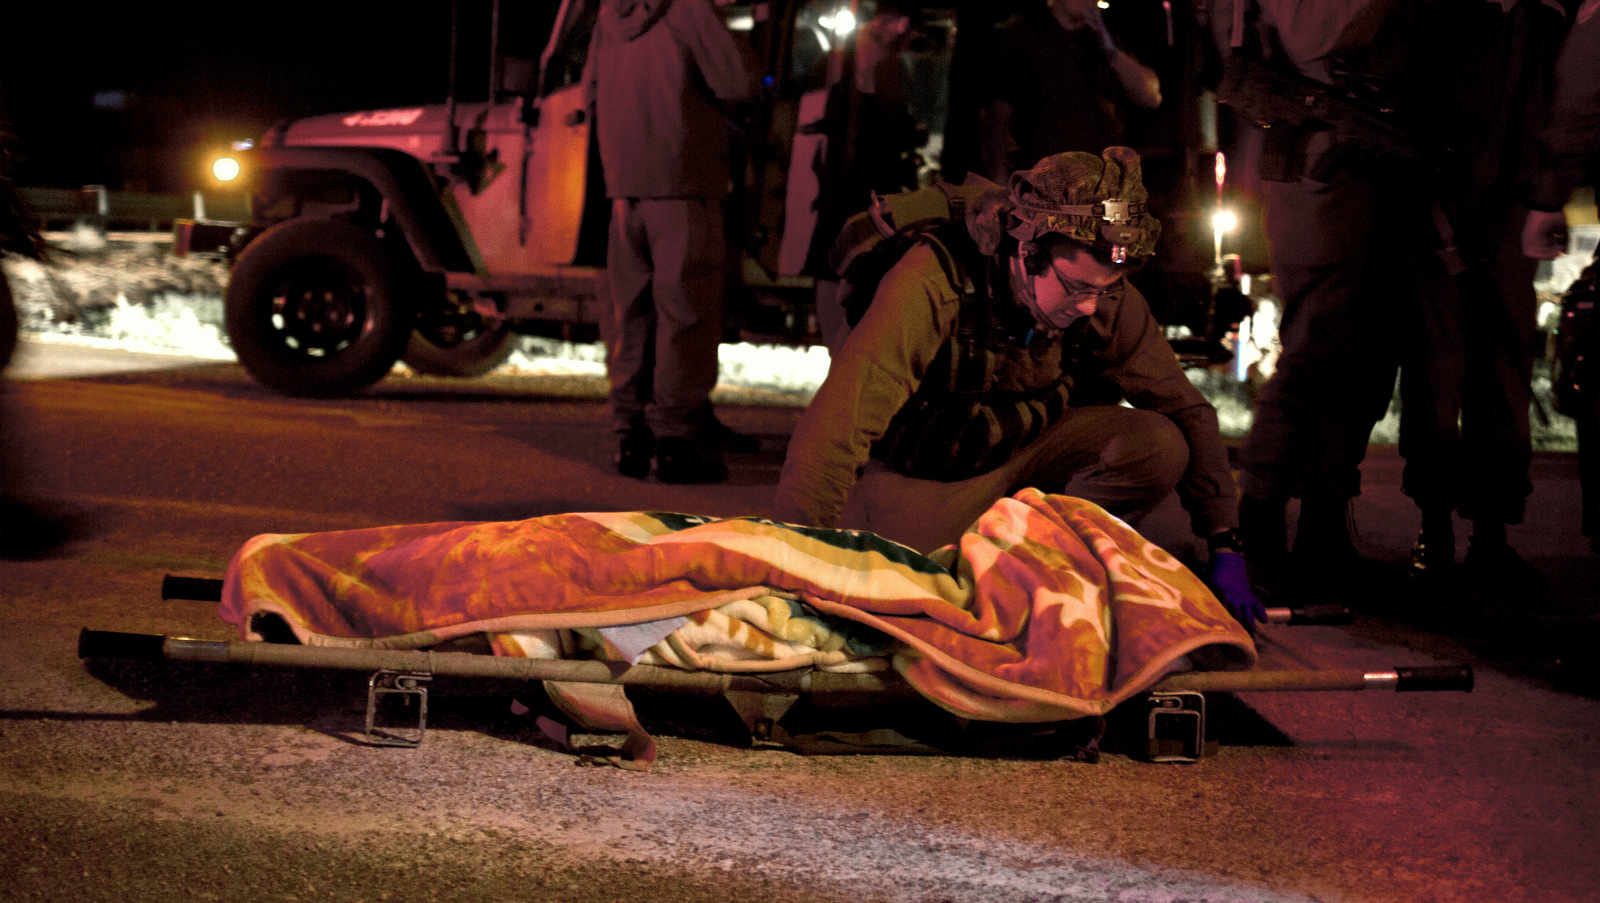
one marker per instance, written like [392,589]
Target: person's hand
[1544,234]
[1232,584]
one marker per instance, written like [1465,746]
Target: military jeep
[438,233]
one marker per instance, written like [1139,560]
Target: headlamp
[1119,222]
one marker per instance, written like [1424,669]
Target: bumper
[210,238]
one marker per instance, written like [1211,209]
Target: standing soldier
[1466,383]
[1568,151]
[1060,83]
[660,73]
[1349,222]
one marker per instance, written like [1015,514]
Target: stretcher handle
[111,644]
[196,589]
[1442,677]
[1326,614]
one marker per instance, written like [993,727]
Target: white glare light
[226,169]
[840,23]
[1223,221]
[1104,4]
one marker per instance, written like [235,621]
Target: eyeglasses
[1076,292]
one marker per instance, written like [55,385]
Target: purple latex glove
[1232,584]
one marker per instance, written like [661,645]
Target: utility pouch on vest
[960,423]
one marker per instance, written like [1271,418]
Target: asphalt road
[133,781]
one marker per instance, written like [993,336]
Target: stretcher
[1172,713]
[1048,611]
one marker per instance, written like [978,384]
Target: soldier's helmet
[1099,201]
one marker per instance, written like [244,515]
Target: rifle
[1292,107]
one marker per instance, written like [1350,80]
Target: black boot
[1492,566]
[635,447]
[1327,565]
[732,441]
[683,460]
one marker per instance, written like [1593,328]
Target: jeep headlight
[228,166]
[226,169]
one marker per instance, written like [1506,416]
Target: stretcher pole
[110,644]
[1176,704]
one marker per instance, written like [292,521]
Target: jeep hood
[417,130]
[362,128]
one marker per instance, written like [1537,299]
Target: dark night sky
[177,81]
[193,76]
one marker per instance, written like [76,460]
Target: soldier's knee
[1153,453]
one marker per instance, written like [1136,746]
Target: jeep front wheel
[313,309]
[458,342]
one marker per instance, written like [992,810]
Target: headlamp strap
[1118,213]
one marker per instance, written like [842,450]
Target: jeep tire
[462,344]
[317,308]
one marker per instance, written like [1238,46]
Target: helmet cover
[1094,200]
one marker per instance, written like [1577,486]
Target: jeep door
[556,167]
[520,184]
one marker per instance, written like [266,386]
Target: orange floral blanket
[1048,608]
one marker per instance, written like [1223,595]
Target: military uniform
[1348,218]
[658,70]
[943,400]
[1568,150]
[1466,385]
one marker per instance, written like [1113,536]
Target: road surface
[131,781]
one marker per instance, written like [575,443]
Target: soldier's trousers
[1466,378]
[1346,260]
[664,269]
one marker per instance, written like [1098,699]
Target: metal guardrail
[100,208]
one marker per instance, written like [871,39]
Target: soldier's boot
[730,440]
[683,460]
[1326,563]
[1493,566]
[635,447]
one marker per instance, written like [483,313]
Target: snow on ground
[129,292]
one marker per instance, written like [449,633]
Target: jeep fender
[404,183]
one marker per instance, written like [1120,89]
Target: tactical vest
[988,394]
